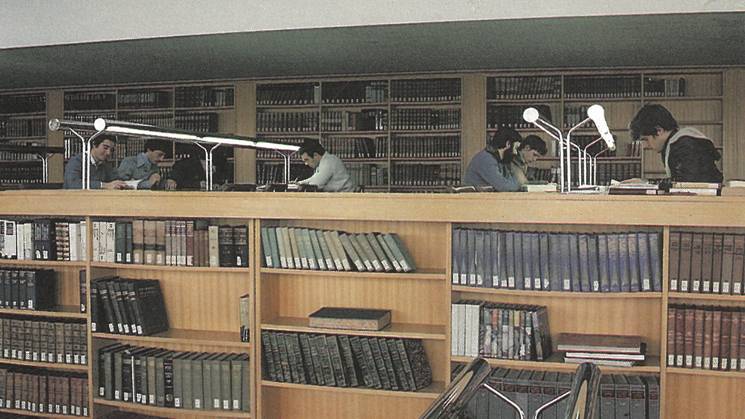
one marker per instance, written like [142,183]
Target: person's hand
[115,184]
[170,184]
[154,178]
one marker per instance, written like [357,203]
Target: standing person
[144,166]
[528,152]
[102,173]
[688,155]
[491,166]
[330,174]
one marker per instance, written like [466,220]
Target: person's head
[653,125]
[531,147]
[311,152]
[156,149]
[501,142]
[102,148]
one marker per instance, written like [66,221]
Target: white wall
[44,22]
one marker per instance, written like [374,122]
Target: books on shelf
[158,377]
[127,306]
[345,361]
[540,187]
[245,317]
[42,239]
[41,392]
[548,261]
[54,342]
[706,337]
[609,350]
[632,396]
[707,262]
[493,330]
[308,248]
[350,318]
[170,242]
[28,289]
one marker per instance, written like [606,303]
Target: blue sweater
[485,169]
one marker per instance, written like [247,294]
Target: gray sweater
[485,169]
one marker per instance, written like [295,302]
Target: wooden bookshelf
[203,308]
[61,312]
[19,412]
[170,411]
[80,368]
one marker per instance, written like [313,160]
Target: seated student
[330,174]
[144,166]
[102,174]
[188,173]
[527,153]
[491,166]
[688,155]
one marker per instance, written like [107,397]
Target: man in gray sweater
[491,166]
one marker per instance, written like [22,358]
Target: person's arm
[519,174]
[321,177]
[73,174]
[491,174]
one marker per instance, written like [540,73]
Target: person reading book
[491,166]
[188,173]
[330,174]
[528,151]
[143,168]
[688,154]
[102,173]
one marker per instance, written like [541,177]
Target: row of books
[82,101]
[160,119]
[202,122]
[35,127]
[425,146]
[144,99]
[622,396]
[706,337]
[274,172]
[602,87]
[288,94]
[495,330]
[263,154]
[418,174]
[654,86]
[356,147]
[362,120]
[42,239]
[426,90]
[368,174]
[574,114]
[127,306]
[28,289]
[707,262]
[511,116]
[170,242]
[24,175]
[579,262]
[344,92]
[166,378]
[44,341]
[24,103]
[345,361]
[530,87]
[403,119]
[204,96]
[45,393]
[309,248]
[287,121]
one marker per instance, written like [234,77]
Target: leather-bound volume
[684,274]
[350,318]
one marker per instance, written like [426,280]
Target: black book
[417,359]
[315,358]
[337,363]
[388,362]
[240,240]
[370,365]
[268,367]
[398,367]
[326,361]
[350,369]
[226,248]
[83,291]
[307,357]
[360,362]
[377,358]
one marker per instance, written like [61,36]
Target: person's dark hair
[98,140]
[535,142]
[157,144]
[501,137]
[311,147]
[649,118]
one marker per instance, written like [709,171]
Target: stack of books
[696,188]
[609,350]
[634,188]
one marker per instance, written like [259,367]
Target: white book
[74,233]
[11,234]
[83,241]
[110,241]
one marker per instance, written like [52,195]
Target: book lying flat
[605,362]
[605,356]
[350,318]
[579,342]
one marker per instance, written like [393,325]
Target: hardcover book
[350,318]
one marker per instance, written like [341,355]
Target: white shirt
[331,175]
